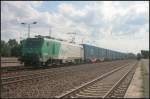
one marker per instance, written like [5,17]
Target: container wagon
[41,51]
[93,53]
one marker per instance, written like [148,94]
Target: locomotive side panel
[70,52]
[50,50]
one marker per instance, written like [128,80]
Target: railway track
[110,85]
[9,69]
[25,77]
[10,83]
[14,79]
[120,88]
[20,67]
[14,69]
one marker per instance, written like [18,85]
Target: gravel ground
[16,73]
[59,80]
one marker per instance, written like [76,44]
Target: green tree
[15,47]
[16,50]
[145,53]
[11,48]
[5,49]
[12,43]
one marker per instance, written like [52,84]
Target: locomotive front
[31,51]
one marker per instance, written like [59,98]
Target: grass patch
[144,81]
[142,77]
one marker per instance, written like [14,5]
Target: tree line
[10,49]
[145,53]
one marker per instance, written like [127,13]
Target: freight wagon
[40,51]
[95,54]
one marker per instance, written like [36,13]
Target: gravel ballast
[60,80]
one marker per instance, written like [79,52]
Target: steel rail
[91,82]
[16,77]
[16,81]
[35,77]
[9,80]
[117,84]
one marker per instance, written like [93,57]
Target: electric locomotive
[42,51]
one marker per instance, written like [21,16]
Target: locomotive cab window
[33,43]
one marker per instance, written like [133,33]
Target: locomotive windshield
[33,42]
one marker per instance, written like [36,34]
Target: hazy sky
[117,25]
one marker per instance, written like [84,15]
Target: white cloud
[66,8]
[127,20]
[36,3]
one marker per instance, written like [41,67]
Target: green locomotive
[41,51]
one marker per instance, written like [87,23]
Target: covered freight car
[93,53]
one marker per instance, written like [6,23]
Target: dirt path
[135,88]
[139,87]
[145,73]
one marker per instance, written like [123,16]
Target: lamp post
[23,23]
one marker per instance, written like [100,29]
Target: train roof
[56,40]
[103,48]
[68,43]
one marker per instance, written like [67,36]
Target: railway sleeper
[96,91]
[94,88]
[89,95]
[102,87]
